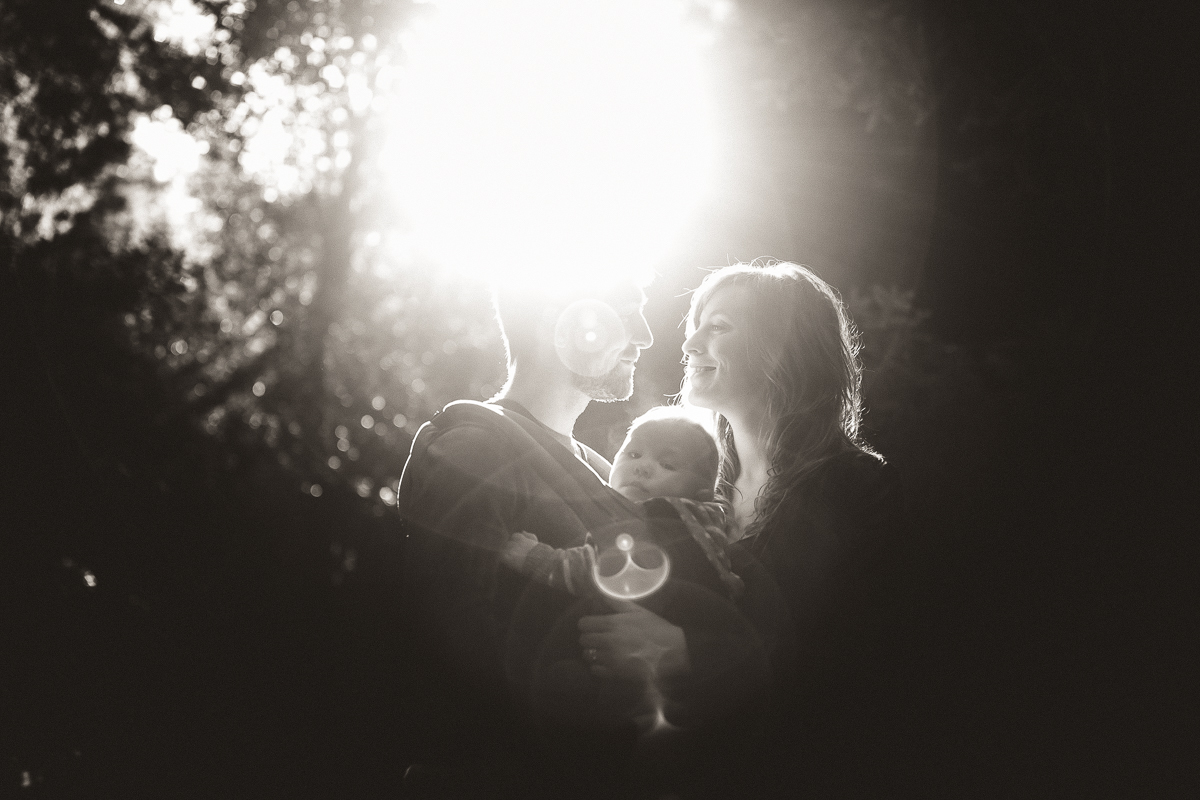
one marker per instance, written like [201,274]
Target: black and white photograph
[599,399]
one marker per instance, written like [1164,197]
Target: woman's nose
[691,345]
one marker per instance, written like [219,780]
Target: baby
[665,455]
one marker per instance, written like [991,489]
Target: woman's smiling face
[724,372]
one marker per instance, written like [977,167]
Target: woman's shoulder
[861,474]
[853,487]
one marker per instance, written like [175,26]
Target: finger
[597,641]
[621,606]
[601,671]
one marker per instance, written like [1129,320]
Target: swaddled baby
[665,455]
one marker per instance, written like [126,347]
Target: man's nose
[640,335]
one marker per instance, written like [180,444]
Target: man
[478,473]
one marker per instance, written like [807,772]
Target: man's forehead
[624,294]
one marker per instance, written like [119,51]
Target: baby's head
[666,454]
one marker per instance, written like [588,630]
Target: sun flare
[536,139]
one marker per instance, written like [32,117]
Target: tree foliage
[244,137]
[210,276]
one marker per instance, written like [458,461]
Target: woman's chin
[694,396]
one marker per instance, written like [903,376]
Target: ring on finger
[591,655]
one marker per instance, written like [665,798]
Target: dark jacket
[823,585]
[504,649]
[476,474]
[492,643]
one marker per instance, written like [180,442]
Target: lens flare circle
[632,570]
[589,338]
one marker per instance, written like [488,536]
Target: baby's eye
[668,466]
[632,454]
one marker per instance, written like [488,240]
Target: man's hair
[805,344]
[520,314]
[684,419]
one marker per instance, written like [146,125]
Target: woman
[771,351]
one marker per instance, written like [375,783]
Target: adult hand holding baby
[633,643]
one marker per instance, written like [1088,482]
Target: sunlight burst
[536,139]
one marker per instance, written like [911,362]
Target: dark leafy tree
[234,344]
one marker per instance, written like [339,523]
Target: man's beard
[610,387]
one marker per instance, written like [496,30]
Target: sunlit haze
[533,139]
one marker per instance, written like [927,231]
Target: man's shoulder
[464,430]
[464,447]
[469,412]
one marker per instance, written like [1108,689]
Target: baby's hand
[709,516]
[516,549]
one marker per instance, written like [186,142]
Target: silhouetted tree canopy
[222,346]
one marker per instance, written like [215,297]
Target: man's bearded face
[614,385]
[607,330]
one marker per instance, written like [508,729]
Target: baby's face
[660,459]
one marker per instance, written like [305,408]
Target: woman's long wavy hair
[807,347]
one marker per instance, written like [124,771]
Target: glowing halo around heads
[533,138]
